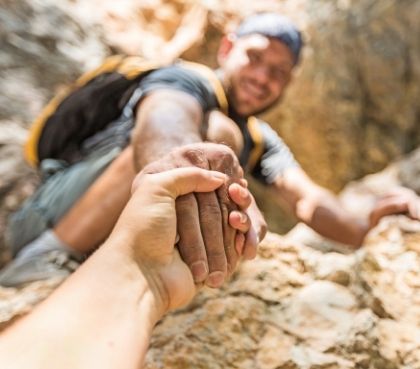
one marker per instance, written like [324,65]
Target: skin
[400,200]
[204,240]
[137,276]
[173,120]
[256,72]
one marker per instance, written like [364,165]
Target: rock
[398,341]
[36,58]
[17,180]
[16,303]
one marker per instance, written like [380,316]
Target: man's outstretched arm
[165,119]
[319,208]
[172,121]
[322,211]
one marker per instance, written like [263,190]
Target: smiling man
[171,109]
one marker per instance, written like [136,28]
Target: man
[169,110]
[135,278]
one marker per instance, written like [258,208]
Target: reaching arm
[318,208]
[172,121]
[165,119]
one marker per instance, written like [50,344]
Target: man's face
[256,70]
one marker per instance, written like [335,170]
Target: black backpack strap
[120,71]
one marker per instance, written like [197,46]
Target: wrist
[151,286]
[158,295]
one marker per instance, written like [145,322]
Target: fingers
[191,244]
[181,181]
[239,242]
[240,195]
[229,233]
[414,209]
[250,246]
[240,221]
[387,206]
[212,233]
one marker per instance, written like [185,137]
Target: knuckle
[196,157]
[225,203]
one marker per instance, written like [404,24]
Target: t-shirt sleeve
[179,78]
[276,157]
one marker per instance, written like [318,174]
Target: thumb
[182,181]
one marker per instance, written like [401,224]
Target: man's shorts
[63,185]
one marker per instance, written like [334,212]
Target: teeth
[253,90]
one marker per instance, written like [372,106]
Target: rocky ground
[293,307]
[300,304]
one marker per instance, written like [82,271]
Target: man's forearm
[318,208]
[329,219]
[165,120]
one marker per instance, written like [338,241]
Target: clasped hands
[195,195]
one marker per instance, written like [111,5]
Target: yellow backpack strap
[211,76]
[257,137]
[131,67]
[30,150]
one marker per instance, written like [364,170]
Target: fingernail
[215,279]
[242,218]
[199,271]
[243,192]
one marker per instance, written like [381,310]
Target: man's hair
[275,26]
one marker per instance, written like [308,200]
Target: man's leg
[80,230]
[91,219]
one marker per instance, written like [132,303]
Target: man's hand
[148,227]
[400,200]
[206,240]
[252,234]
